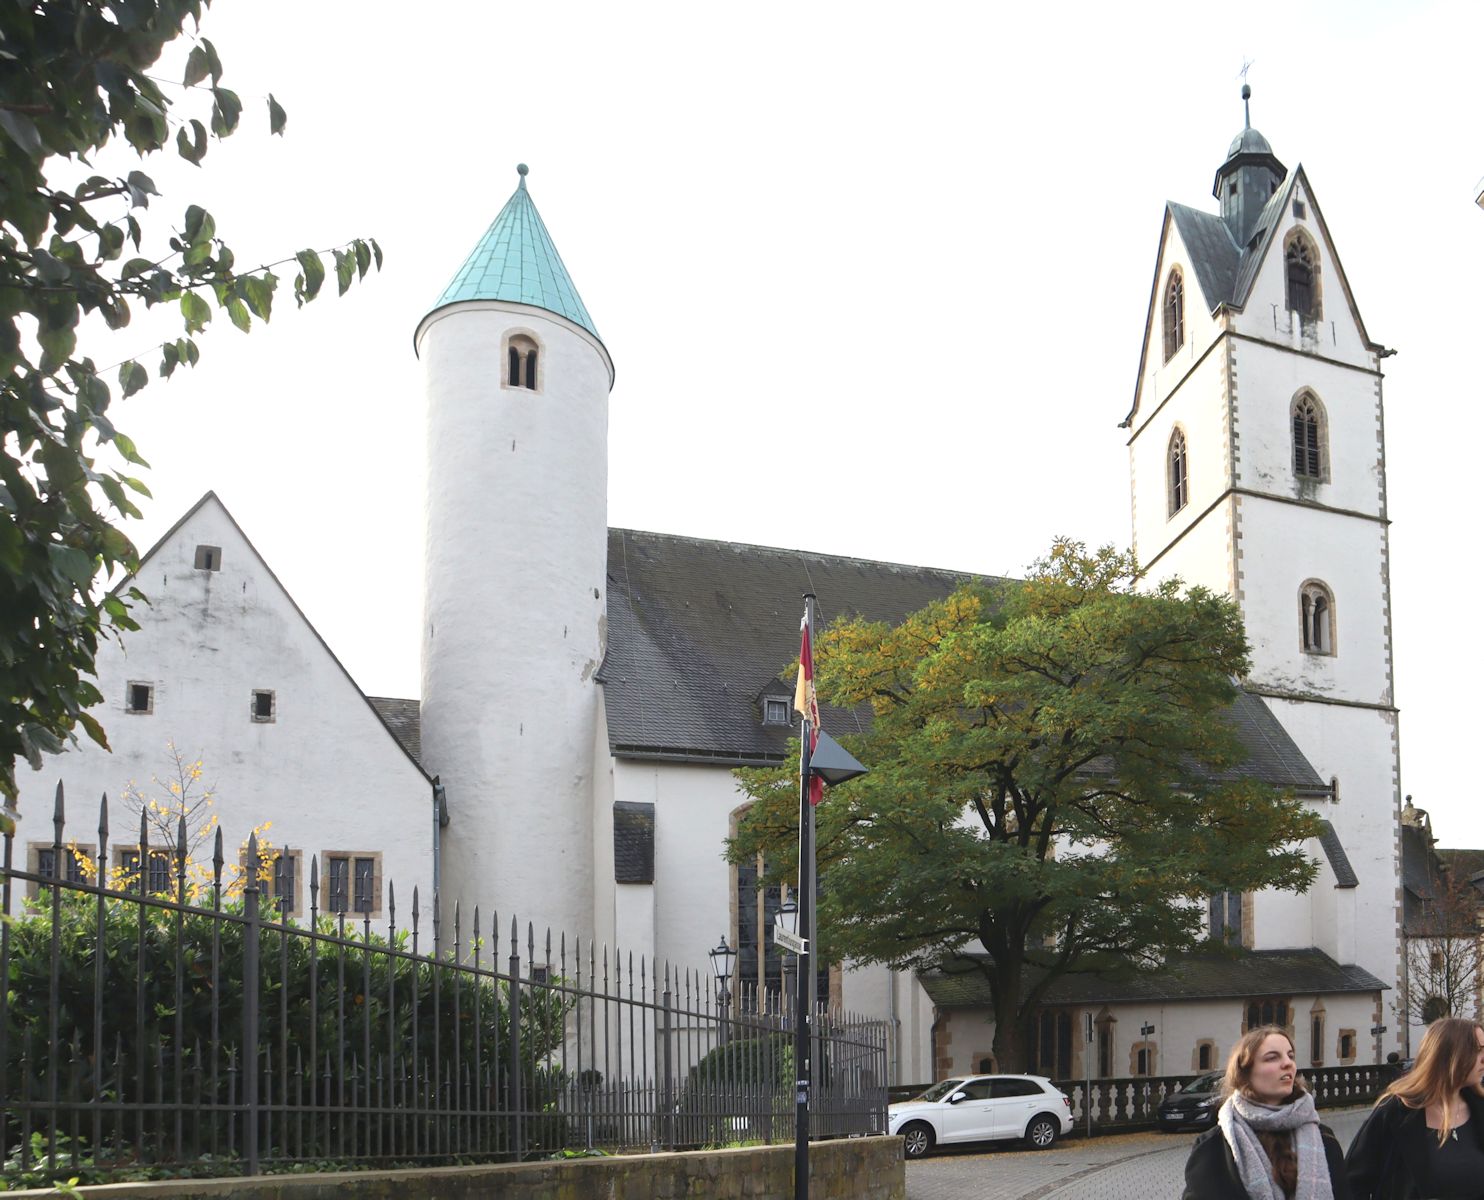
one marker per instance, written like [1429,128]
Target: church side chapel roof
[517,261]
[404,719]
[699,631]
[1198,976]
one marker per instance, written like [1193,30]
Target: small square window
[208,558]
[775,710]
[139,698]
[263,708]
[1298,209]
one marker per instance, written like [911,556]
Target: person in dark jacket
[1424,1140]
[1268,1143]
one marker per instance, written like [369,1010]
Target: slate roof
[1225,270]
[404,719]
[516,260]
[1466,864]
[1339,861]
[699,629]
[1201,976]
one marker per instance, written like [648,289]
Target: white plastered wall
[514,609]
[966,1035]
[325,774]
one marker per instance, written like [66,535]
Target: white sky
[915,244]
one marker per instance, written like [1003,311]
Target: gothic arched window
[1174,311]
[1301,271]
[521,362]
[1317,618]
[1179,472]
[1309,442]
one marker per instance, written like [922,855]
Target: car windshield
[1203,1083]
[939,1090]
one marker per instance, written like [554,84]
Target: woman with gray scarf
[1268,1143]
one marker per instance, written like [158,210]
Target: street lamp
[723,959]
[786,924]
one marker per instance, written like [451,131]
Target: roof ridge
[842,558]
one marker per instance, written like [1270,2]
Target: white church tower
[1257,459]
[513,633]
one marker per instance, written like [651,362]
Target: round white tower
[514,574]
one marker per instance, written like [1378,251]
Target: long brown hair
[1279,1146]
[1445,1060]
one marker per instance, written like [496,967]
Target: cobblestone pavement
[1130,1166]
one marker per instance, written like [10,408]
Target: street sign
[791,942]
[1377,1030]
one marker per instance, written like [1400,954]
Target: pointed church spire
[517,261]
[1248,178]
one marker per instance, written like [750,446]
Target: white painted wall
[1179,1027]
[516,559]
[326,773]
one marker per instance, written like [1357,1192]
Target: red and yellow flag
[806,704]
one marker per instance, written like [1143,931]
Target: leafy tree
[1052,786]
[76,75]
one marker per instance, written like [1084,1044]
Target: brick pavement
[1134,1166]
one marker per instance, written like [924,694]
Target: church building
[587,690]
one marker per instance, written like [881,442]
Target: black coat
[1388,1155]
[1211,1172]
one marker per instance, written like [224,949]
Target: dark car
[1194,1105]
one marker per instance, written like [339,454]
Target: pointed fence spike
[103,816]
[414,906]
[391,903]
[59,812]
[180,838]
[218,856]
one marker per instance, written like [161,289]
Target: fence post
[250,1007]
[667,1080]
[517,1092]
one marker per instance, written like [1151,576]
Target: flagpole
[806,929]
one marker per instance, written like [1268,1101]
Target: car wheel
[917,1139]
[1041,1133]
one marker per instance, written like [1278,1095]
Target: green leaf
[237,310]
[257,290]
[363,258]
[197,67]
[345,269]
[213,63]
[376,253]
[195,310]
[308,284]
[127,448]
[199,225]
[225,111]
[22,131]
[132,377]
[136,266]
[277,118]
[140,188]
[73,564]
[95,730]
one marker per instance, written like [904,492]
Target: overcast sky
[911,245]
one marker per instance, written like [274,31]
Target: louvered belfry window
[1301,263]
[1174,323]
[1179,473]
[1308,455]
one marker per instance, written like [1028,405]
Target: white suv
[980,1108]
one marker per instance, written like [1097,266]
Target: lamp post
[820,757]
[723,959]
[785,935]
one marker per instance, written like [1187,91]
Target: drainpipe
[896,1028]
[440,822]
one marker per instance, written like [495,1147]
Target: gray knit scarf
[1240,1119]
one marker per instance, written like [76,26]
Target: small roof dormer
[516,261]
[1248,178]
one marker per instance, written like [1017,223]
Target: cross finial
[1246,92]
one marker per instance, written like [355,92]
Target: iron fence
[204,1033]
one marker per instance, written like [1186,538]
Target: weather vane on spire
[1246,91]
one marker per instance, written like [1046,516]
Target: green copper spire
[517,261]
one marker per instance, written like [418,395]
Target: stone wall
[850,1169]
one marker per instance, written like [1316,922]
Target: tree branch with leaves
[76,77]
